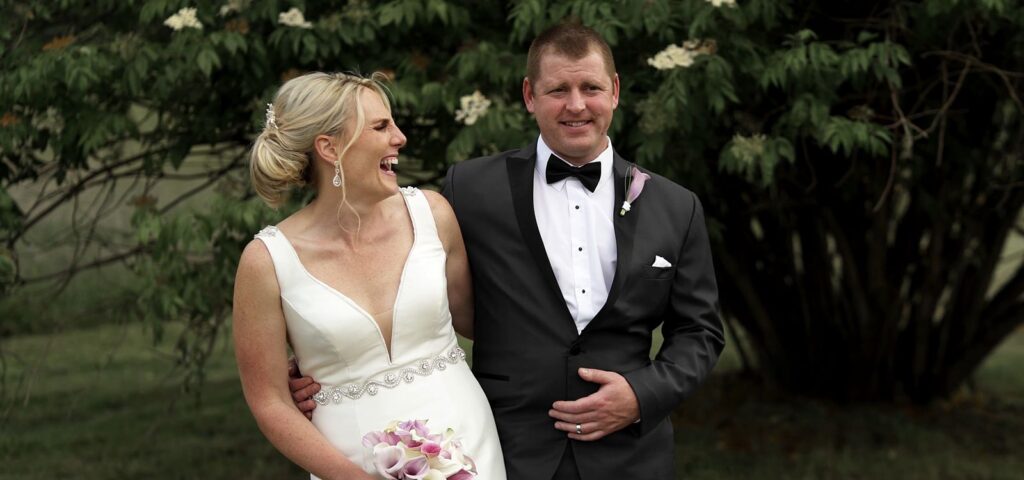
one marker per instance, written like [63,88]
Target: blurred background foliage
[860,162]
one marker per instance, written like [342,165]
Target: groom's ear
[528,94]
[615,91]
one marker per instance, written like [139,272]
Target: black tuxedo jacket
[527,351]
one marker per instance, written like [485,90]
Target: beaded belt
[391,378]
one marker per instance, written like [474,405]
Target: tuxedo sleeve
[448,190]
[691,326]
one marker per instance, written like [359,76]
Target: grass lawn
[102,403]
[732,428]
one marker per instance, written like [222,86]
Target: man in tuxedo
[568,291]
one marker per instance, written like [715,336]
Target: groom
[568,291]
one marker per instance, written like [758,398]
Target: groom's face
[573,102]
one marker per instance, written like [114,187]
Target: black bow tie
[589,175]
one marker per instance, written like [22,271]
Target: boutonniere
[635,180]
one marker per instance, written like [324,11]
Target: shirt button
[581,249]
[577,207]
[584,291]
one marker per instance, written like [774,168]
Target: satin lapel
[625,232]
[521,167]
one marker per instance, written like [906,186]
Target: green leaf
[207,60]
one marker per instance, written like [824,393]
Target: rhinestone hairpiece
[271,118]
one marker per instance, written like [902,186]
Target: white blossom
[50,120]
[185,18]
[677,56]
[293,18]
[472,108]
[748,149]
[719,3]
[233,6]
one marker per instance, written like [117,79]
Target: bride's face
[368,162]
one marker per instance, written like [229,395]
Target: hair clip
[271,118]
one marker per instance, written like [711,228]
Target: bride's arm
[460,287]
[260,348]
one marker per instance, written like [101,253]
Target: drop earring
[337,174]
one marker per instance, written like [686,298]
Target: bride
[365,284]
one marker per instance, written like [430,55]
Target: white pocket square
[660,262]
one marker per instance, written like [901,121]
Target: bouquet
[407,450]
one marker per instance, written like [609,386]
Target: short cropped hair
[572,40]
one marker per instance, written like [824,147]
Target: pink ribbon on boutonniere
[635,180]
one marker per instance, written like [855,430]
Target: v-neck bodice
[364,390]
[338,342]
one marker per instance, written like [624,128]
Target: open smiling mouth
[574,124]
[389,164]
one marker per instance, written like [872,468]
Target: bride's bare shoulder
[255,260]
[444,218]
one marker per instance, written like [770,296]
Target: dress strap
[419,210]
[286,260]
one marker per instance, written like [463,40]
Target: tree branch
[89,266]
[73,190]
[1008,294]
[997,329]
[203,186]
[103,175]
[1005,75]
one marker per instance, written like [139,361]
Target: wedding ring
[579,429]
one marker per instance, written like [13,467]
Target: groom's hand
[302,389]
[610,409]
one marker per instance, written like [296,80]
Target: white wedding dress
[363,388]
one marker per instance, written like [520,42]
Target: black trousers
[567,468]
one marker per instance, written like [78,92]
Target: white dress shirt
[579,237]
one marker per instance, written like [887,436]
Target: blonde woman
[365,283]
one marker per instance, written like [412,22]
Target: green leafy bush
[860,161]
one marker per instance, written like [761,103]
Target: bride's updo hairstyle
[305,107]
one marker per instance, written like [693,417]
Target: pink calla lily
[462,475]
[416,468]
[407,450]
[390,461]
[636,186]
[430,449]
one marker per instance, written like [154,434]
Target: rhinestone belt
[390,379]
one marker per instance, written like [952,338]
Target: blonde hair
[306,106]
